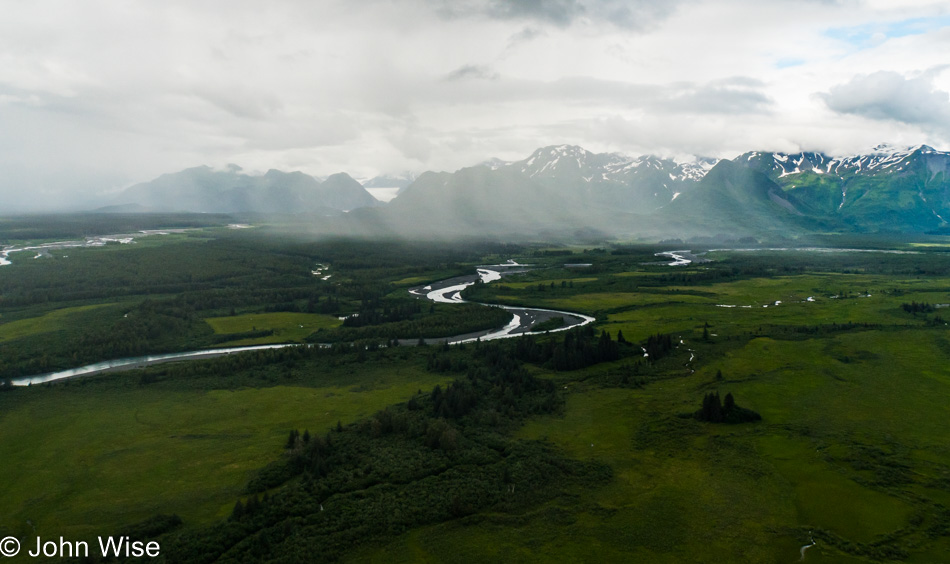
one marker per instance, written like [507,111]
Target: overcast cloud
[97,95]
[887,95]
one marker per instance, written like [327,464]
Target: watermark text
[116,547]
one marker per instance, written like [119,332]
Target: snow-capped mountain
[882,158]
[891,188]
[888,188]
[632,184]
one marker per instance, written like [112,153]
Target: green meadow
[94,455]
[851,451]
[856,456]
[286,326]
[44,323]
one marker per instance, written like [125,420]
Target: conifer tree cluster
[914,307]
[579,348]
[715,410]
[659,345]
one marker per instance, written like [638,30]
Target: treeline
[79,225]
[431,322]
[376,314]
[922,307]
[153,326]
[577,348]
[168,289]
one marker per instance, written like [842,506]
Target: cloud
[629,14]
[732,96]
[557,12]
[472,71]
[736,95]
[526,35]
[887,95]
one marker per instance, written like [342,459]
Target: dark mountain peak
[342,177]
[341,191]
[204,189]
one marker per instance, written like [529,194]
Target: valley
[820,342]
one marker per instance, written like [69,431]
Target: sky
[98,95]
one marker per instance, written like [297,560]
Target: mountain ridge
[565,188]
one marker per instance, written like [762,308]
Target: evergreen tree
[292,439]
[238,511]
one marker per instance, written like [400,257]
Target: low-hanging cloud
[472,71]
[628,14]
[887,95]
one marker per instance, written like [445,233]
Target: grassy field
[93,457]
[851,449]
[46,323]
[410,281]
[287,326]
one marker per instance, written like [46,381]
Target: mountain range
[565,189]
[206,190]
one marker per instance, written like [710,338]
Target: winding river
[523,318]
[446,291]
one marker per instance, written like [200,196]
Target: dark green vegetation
[59,226]
[573,446]
[414,318]
[715,410]
[88,304]
[550,324]
[443,455]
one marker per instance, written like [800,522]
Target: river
[445,291]
[98,241]
[523,318]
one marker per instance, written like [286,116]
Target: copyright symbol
[9,547]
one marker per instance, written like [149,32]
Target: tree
[718,375]
[238,511]
[716,411]
[292,439]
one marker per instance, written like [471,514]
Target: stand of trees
[914,307]
[715,410]
[578,348]
[440,456]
